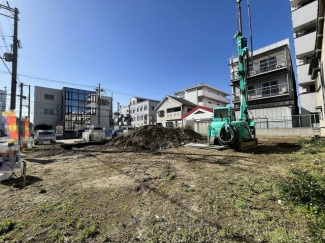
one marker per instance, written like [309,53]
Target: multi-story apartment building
[271,82]
[141,112]
[3,103]
[73,108]
[304,21]
[204,95]
[317,66]
[3,99]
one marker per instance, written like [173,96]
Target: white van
[44,137]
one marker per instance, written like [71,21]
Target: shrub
[7,226]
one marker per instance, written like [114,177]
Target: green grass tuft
[7,226]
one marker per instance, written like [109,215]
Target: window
[145,117]
[133,111]
[161,113]
[251,68]
[270,88]
[46,111]
[145,108]
[267,64]
[138,109]
[312,88]
[49,97]
[138,118]
[251,90]
[51,111]
[133,102]
[152,108]
[141,108]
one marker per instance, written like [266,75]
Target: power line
[63,82]
[3,37]
[7,18]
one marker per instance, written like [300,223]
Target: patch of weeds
[302,188]
[42,190]
[88,232]
[7,226]
[267,217]
[47,208]
[141,201]
[226,232]
[200,235]
[280,235]
[313,146]
[306,191]
[168,174]
[56,236]
[211,202]
[268,196]
[243,203]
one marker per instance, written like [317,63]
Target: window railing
[269,91]
[260,66]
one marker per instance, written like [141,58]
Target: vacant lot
[93,194]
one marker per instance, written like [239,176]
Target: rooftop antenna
[250,26]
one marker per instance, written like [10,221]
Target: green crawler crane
[225,128]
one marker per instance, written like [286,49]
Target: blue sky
[148,48]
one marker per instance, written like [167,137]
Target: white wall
[269,112]
[191,95]
[3,100]
[40,104]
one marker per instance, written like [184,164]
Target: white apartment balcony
[263,93]
[305,45]
[304,16]
[174,115]
[213,96]
[308,102]
[303,77]
[258,68]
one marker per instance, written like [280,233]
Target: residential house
[141,112]
[171,110]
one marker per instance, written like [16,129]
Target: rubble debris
[156,138]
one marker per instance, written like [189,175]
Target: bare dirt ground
[100,194]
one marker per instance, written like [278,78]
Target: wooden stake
[24,171]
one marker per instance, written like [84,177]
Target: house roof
[197,108]
[143,99]
[180,100]
[202,85]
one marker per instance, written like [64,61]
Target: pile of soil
[155,138]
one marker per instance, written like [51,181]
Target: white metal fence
[309,120]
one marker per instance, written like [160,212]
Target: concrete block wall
[287,132]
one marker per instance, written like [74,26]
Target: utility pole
[29,106]
[20,112]
[14,62]
[111,113]
[99,104]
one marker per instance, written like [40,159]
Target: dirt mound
[155,138]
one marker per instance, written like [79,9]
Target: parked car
[44,137]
